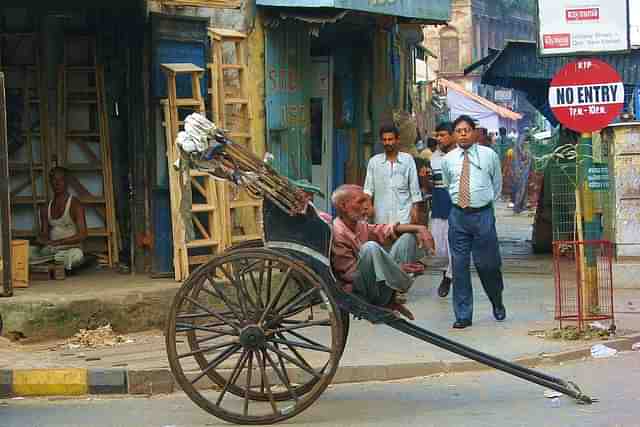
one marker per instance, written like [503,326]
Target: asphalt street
[473,399]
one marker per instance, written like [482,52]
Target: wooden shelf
[79,134]
[239,135]
[227,34]
[21,166]
[246,237]
[91,200]
[82,101]
[202,243]
[23,233]
[188,102]
[202,208]
[97,232]
[238,204]
[80,68]
[27,200]
[234,101]
[182,68]
[83,167]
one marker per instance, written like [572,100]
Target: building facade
[320,79]
[476,27]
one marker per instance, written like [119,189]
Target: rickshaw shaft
[527,374]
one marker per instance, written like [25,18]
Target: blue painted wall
[288,57]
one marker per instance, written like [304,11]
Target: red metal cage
[583,281]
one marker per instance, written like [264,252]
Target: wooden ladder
[231,110]
[28,159]
[195,200]
[83,145]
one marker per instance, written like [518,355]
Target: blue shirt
[440,198]
[394,187]
[485,174]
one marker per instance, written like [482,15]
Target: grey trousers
[379,273]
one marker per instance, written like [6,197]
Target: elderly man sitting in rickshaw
[63,226]
[359,259]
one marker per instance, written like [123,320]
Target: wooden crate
[20,263]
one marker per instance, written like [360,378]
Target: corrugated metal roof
[518,66]
[428,10]
[520,60]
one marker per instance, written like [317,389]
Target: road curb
[80,381]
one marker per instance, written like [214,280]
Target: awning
[501,111]
[484,112]
[431,11]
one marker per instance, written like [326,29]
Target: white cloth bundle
[195,137]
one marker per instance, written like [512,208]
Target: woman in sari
[521,169]
[507,176]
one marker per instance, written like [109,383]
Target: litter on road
[600,351]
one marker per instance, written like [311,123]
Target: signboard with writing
[598,177]
[586,95]
[503,95]
[575,26]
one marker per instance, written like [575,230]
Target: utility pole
[5,214]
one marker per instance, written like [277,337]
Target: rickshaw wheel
[262,336]
[259,243]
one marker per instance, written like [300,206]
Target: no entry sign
[586,95]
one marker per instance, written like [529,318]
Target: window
[449,51]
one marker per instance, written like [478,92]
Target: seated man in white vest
[63,226]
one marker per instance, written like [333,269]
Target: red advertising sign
[583,14]
[586,95]
[556,41]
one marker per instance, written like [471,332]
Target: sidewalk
[372,353]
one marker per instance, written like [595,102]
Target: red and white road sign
[586,95]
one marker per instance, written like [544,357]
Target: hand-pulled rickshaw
[255,335]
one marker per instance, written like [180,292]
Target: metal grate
[583,281]
[563,199]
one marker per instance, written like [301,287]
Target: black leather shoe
[500,313]
[461,324]
[443,289]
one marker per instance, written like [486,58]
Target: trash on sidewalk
[91,338]
[552,394]
[600,351]
[598,325]
[636,346]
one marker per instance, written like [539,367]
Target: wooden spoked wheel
[254,336]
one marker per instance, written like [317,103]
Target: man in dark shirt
[441,202]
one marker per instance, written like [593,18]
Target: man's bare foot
[402,309]
[400,297]
[412,267]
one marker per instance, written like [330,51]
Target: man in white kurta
[392,182]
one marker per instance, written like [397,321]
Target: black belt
[472,210]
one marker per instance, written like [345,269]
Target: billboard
[582,26]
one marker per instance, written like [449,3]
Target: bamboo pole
[588,229]
[5,214]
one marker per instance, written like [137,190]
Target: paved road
[472,399]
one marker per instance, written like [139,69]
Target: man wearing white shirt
[472,174]
[392,182]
